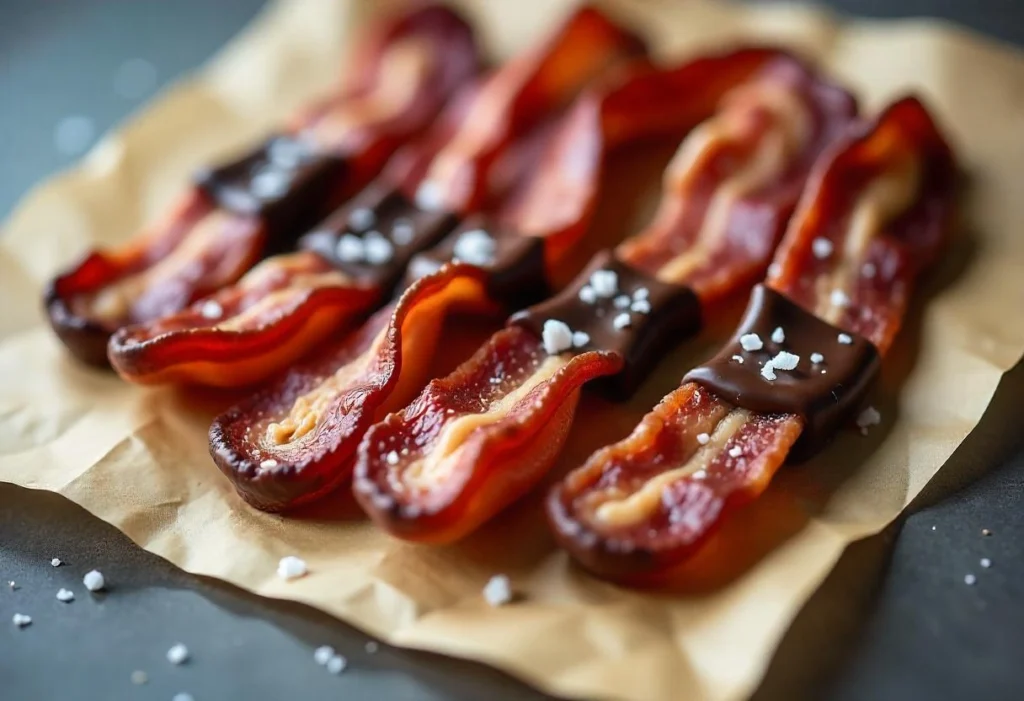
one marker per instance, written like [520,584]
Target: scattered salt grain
[337,664]
[350,248]
[361,219]
[211,310]
[700,474]
[392,458]
[735,451]
[65,595]
[94,581]
[868,418]
[587,294]
[738,359]
[21,620]
[323,654]
[402,231]
[621,321]
[269,184]
[428,196]
[55,562]
[817,358]
[268,464]
[641,293]
[768,372]
[778,335]
[845,338]
[751,342]
[986,563]
[703,438]
[476,247]
[821,247]
[785,360]
[557,336]
[622,302]
[970,579]
[291,567]
[178,654]
[641,306]
[580,339]
[604,282]
[839,298]
[422,266]
[498,590]
[377,249]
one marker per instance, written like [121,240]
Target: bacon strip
[638,509]
[728,195]
[404,72]
[501,118]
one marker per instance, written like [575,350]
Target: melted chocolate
[823,394]
[284,181]
[379,212]
[674,314]
[515,268]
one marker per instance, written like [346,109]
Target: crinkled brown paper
[138,458]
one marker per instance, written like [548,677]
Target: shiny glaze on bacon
[295,440]
[523,93]
[739,239]
[638,509]
[404,72]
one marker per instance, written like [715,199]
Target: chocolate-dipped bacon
[404,71]
[357,255]
[473,442]
[874,215]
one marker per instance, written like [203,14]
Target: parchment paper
[138,458]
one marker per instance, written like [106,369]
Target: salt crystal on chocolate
[350,248]
[641,306]
[817,358]
[622,302]
[751,342]
[361,219]
[557,336]
[604,282]
[622,321]
[845,338]
[587,294]
[377,249]
[785,360]
[475,247]
[641,293]
[768,372]
[580,339]
[778,335]
[402,231]
[738,359]
[429,196]
[821,247]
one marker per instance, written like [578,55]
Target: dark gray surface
[894,621]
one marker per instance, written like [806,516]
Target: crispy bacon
[883,197]
[404,72]
[728,195]
[500,119]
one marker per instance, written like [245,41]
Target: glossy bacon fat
[404,72]
[728,194]
[874,214]
[370,241]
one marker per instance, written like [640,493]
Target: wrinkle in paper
[138,458]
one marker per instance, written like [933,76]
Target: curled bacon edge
[686,509]
[230,244]
[480,471]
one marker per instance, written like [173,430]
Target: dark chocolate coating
[823,401]
[284,181]
[392,211]
[515,274]
[674,315]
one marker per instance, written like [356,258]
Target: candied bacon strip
[187,347]
[405,70]
[728,195]
[882,200]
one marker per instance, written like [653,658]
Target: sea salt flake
[703,438]
[429,196]
[476,247]
[55,562]
[778,335]
[178,654]
[817,358]
[621,321]
[402,231]
[21,620]
[641,306]
[323,654]
[970,579]
[65,595]
[587,294]
[821,247]
[785,360]
[336,665]
[269,184]
[604,282]
[845,338]
[986,563]
[422,266]
[751,342]
[738,359]
[641,293]
[622,302]
[94,581]
[498,590]
[350,248]
[839,298]
[557,336]
[580,339]
[377,249]
[291,567]
[361,219]
[768,372]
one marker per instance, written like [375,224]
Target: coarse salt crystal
[211,310]
[839,298]
[738,359]
[768,372]
[817,358]
[785,360]
[94,581]
[580,339]
[475,247]
[641,306]
[392,458]
[377,249]
[735,451]
[65,595]
[428,196]
[337,664]
[323,654]
[868,418]
[778,335]
[845,338]
[557,336]
[361,219]
[587,294]
[621,321]
[269,184]
[291,567]
[970,579]
[178,654]
[703,438]
[622,302]
[986,563]
[402,231]
[641,293]
[422,266]
[821,247]
[604,282]
[55,562]
[350,248]
[21,620]
[498,590]
[751,342]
